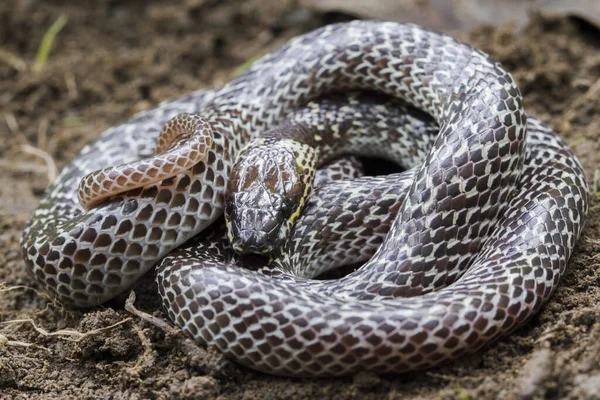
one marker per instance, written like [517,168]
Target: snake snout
[250,242]
[255,221]
[255,231]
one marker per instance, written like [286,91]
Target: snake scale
[482,232]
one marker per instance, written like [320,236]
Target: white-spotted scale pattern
[281,321]
[469,193]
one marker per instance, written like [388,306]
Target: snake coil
[483,233]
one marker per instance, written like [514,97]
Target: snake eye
[286,210]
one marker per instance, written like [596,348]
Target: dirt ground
[113,59]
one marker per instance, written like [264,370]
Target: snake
[482,230]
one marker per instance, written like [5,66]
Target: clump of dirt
[113,59]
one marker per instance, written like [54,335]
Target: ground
[113,59]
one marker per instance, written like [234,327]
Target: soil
[113,59]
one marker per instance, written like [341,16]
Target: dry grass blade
[21,166]
[51,301]
[3,288]
[13,126]
[148,358]
[51,170]
[4,342]
[188,346]
[13,60]
[66,334]
[147,317]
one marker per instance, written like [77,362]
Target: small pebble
[537,370]
[589,388]
[366,380]
[200,387]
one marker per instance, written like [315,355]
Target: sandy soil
[113,59]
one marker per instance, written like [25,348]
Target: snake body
[482,234]
[273,173]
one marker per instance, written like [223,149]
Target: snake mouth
[255,230]
[251,242]
[256,221]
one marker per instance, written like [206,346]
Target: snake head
[266,190]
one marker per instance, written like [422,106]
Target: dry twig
[51,170]
[66,334]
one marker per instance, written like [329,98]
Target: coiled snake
[484,227]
